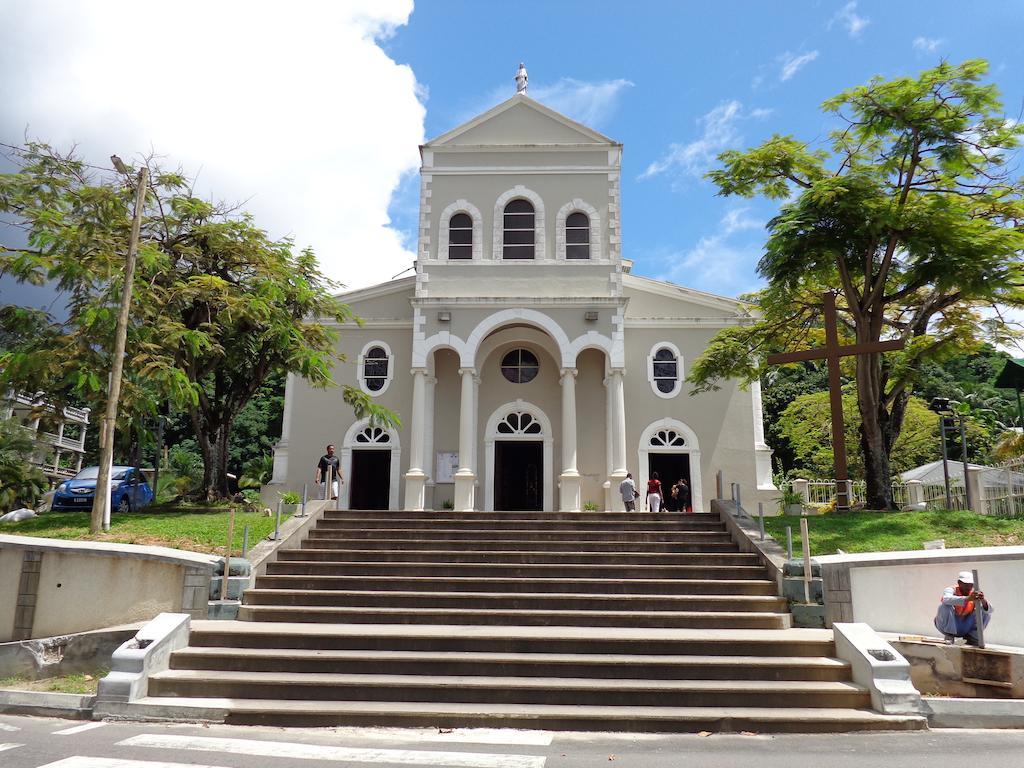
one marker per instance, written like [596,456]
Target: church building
[530,369]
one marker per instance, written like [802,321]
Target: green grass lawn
[191,529]
[81,683]
[895,531]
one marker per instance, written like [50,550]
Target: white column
[618,429]
[416,478]
[464,477]
[569,494]
[280,474]
[428,436]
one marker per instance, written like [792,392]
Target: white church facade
[530,369]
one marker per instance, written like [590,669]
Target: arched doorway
[518,447]
[670,448]
[370,463]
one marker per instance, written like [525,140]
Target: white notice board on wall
[447,466]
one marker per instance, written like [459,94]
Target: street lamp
[941,406]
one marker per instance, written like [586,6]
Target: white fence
[1002,489]
[912,494]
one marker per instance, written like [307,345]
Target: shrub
[21,483]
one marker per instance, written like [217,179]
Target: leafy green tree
[21,483]
[218,305]
[909,211]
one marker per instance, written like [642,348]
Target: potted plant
[791,502]
[290,502]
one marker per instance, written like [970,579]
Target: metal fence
[823,491]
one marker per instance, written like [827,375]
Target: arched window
[519,223]
[521,423]
[577,236]
[376,365]
[373,436]
[663,370]
[460,236]
[667,438]
[520,366]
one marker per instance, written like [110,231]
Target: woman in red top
[654,494]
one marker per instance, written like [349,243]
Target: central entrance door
[371,479]
[518,475]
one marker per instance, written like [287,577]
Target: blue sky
[696,77]
[312,112]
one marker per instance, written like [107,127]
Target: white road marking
[339,754]
[9,745]
[79,761]
[500,736]
[79,728]
[11,728]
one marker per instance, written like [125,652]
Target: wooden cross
[832,352]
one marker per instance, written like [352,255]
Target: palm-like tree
[20,482]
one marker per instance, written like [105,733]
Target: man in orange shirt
[958,615]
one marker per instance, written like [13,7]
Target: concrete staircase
[596,621]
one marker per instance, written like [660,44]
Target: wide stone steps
[477,689]
[611,548]
[506,617]
[531,585]
[517,570]
[573,717]
[513,600]
[342,554]
[594,621]
[577,665]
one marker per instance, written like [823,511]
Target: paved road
[28,742]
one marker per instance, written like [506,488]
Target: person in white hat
[957,616]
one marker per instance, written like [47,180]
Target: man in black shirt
[329,461]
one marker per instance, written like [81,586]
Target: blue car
[128,490]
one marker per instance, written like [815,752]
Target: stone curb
[975,713]
[72,706]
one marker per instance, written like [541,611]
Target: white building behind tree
[530,369]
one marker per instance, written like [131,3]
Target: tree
[911,214]
[219,305]
[20,481]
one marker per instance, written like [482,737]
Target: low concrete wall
[746,532]
[956,670]
[62,655]
[51,587]
[900,591]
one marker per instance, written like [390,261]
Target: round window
[520,366]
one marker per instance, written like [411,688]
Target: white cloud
[293,108]
[791,64]
[847,17]
[719,263]
[927,44]
[719,131]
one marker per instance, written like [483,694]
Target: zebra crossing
[479,748]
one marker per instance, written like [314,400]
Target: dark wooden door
[518,475]
[371,480]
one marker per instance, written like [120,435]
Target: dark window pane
[460,251]
[526,357]
[518,236]
[460,221]
[518,252]
[527,373]
[518,221]
[513,419]
[577,235]
[512,358]
[519,206]
[666,385]
[665,371]
[533,429]
[677,440]
[577,251]
[664,354]
[376,352]
[461,237]
[577,220]
[374,384]
[504,428]
[512,374]
[362,438]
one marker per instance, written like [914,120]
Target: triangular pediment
[520,121]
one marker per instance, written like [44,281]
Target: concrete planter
[794,509]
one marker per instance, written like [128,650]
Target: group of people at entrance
[676,500]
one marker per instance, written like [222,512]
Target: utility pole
[101,499]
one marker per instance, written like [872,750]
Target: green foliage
[591,506]
[187,466]
[218,308]
[21,484]
[257,472]
[290,497]
[911,212]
